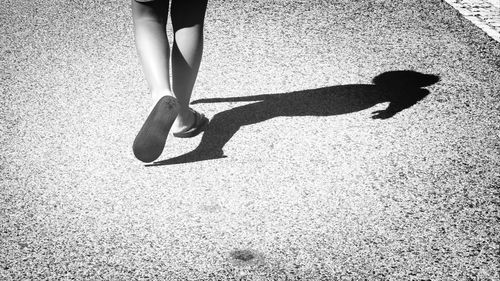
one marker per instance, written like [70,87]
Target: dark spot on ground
[243,255]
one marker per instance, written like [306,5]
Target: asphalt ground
[294,179]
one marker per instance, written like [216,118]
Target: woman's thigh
[156,10]
[188,13]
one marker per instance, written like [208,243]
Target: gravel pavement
[348,140]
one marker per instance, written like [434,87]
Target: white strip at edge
[476,20]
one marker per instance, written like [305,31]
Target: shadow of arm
[399,102]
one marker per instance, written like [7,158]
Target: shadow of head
[402,88]
[404,79]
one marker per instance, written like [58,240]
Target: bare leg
[152,45]
[150,21]
[187,19]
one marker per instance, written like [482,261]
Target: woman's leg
[150,19]
[187,20]
[152,45]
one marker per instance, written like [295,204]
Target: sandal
[199,125]
[150,141]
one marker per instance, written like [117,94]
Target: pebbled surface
[310,188]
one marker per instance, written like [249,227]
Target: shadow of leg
[220,130]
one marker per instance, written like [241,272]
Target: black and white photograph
[213,140]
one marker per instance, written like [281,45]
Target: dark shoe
[199,125]
[150,141]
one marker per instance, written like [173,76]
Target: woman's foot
[188,129]
[185,119]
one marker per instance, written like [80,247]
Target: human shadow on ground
[401,89]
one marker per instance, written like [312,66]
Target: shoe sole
[150,141]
